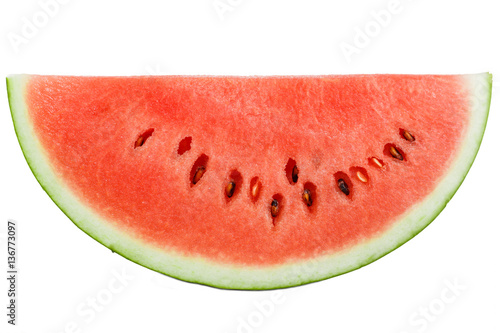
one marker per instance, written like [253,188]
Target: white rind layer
[200,270]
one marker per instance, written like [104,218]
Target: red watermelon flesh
[164,169]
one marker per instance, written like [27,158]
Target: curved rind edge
[200,270]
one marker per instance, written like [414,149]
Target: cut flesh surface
[251,182]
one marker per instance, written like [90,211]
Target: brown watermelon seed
[307,197]
[233,184]
[406,135]
[139,141]
[378,163]
[143,137]
[200,171]
[230,189]
[295,174]
[275,208]
[343,186]
[395,153]
[361,176]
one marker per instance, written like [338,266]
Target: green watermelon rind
[201,270]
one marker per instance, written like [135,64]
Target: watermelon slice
[251,182]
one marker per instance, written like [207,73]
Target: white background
[62,269]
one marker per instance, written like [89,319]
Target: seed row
[291,170]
